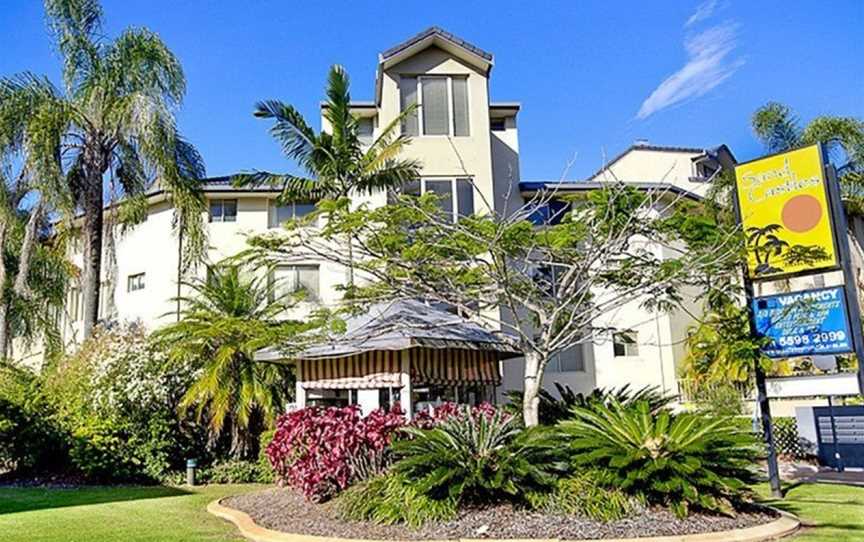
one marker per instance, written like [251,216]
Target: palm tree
[225,321]
[112,122]
[338,165]
[780,130]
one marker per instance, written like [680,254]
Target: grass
[830,512]
[131,514]
[149,514]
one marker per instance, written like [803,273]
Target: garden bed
[287,511]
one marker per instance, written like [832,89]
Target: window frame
[556,366]
[273,216]
[135,282]
[631,348]
[454,189]
[451,113]
[211,217]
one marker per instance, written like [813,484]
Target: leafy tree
[223,323]
[544,287]
[112,122]
[336,162]
[777,126]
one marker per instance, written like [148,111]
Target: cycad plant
[682,461]
[113,122]
[475,457]
[335,162]
[227,318]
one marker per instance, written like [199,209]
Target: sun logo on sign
[801,213]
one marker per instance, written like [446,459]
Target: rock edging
[781,527]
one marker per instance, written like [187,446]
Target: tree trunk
[4,301]
[534,365]
[22,283]
[93,203]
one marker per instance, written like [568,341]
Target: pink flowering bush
[323,451]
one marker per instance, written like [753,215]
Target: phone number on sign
[815,338]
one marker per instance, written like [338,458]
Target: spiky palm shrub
[682,461]
[392,498]
[477,458]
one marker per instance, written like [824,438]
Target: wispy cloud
[709,63]
[703,11]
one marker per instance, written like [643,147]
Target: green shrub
[392,498]
[235,472]
[29,440]
[477,457]
[683,461]
[555,409]
[582,495]
[266,474]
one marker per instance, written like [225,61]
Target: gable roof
[435,31]
[710,151]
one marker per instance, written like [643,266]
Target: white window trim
[222,217]
[450,106]
[635,335]
[312,297]
[272,216]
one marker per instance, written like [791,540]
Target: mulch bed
[287,511]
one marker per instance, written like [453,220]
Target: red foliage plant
[316,450]
[428,419]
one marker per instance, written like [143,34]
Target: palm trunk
[4,300]
[534,365]
[93,232]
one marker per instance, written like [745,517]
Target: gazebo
[403,352]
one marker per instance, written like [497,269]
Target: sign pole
[849,282]
[762,400]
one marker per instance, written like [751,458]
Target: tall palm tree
[112,122]
[223,323]
[336,163]
[779,129]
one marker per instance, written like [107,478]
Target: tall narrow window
[460,106]
[444,191]
[408,97]
[435,109]
[365,130]
[465,197]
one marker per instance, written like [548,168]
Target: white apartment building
[469,149]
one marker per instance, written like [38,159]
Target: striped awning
[369,370]
[454,367]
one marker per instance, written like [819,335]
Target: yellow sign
[783,201]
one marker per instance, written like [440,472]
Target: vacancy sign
[784,209]
[804,323]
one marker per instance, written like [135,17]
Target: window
[288,279]
[279,214]
[135,282]
[365,130]
[705,170]
[453,194]
[443,105]
[223,210]
[624,344]
[498,124]
[75,306]
[568,361]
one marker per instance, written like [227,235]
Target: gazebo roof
[404,324]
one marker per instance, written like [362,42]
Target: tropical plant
[337,163]
[475,458]
[683,461]
[392,498]
[779,129]
[582,495]
[225,320]
[113,122]
[555,409]
[323,451]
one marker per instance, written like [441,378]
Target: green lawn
[830,512]
[136,514]
[130,514]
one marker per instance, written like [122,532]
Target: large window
[288,279]
[453,194]
[279,214]
[223,210]
[625,344]
[568,361]
[443,105]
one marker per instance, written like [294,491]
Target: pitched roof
[582,186]
[443,34]
[660,148]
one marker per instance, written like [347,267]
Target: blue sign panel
[805,323]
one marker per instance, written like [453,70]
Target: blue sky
[592,76]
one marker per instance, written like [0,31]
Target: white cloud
[708,65]
[703,11]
